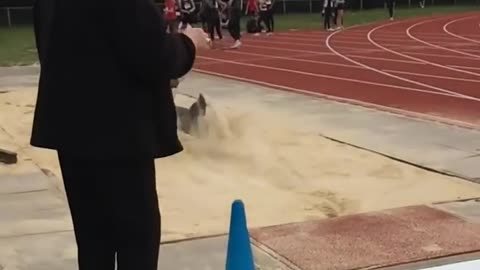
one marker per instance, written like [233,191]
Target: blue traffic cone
[239,252]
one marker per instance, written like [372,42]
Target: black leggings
[187,18]
[114,208]
[234,23]
[390,6]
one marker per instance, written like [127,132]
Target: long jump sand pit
[282,170]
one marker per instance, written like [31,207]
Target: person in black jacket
[105,105]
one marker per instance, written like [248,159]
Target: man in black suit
[105,105]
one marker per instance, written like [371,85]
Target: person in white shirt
[327,14]
[266,14]
[187,10]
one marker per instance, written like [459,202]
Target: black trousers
[262,18]
[115,213]
[327,17]
[390,6]
[204,20]
[187,18]
[234,23]
[270,19]
[214,24]
[267,18]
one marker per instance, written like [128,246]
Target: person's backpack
[252,26]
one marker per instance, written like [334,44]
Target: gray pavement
[35,229]
[18,76]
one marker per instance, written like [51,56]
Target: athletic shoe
[236,45]
[391,18]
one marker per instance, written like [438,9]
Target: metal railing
[15,16]
[10,16]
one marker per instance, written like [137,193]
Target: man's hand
[198,37]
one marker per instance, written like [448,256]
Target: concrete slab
[468,166]
[57,251]
[469,209]
[468,265]
[31,70]
[372,240]
[49,251]
[207,254]
[23,183]
[19,76]
[32,213]
[436,262]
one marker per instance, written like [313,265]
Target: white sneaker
[256,34]
[269,33]
[236,45]
[391,18]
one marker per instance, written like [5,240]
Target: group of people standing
[333,11]
[391,7]
[214,12]
[180,13]
[263,13]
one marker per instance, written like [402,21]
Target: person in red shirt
[251,8]
[171,15]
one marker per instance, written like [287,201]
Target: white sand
[282,172]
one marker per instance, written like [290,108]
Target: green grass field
[17,46]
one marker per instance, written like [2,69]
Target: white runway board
[468,265]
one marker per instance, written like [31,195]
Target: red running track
[421,67]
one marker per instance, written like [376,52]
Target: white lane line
[392,75]
[369,36]
[318,75]
[409,34]
[445,29]
[422,116]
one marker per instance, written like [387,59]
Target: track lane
[312,69]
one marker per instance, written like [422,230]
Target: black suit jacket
[104,88]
